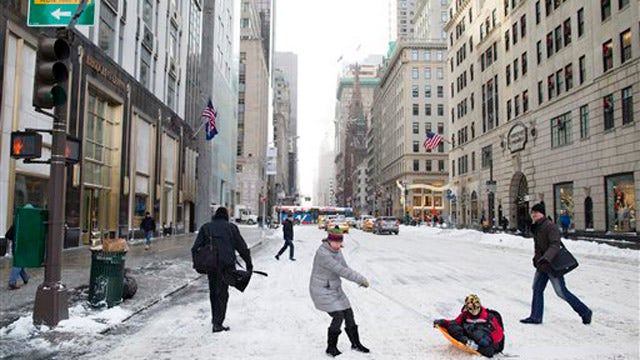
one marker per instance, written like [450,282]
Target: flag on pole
[210,113]
[432,141]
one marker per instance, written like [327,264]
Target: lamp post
[406,193]
[491,187]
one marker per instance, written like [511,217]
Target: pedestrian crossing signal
[26,145]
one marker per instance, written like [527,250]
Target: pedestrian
[287,231]
[15,270]
[148,225]
[326,291]
[228,240]
[565,221]
[547,244]
[505,223]
[476,327]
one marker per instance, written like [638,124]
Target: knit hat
[472,302]
[538,208]
[334,236]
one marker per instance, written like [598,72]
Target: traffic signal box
[51,73]
[26,145]
[31,234]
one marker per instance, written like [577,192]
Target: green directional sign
[59,12]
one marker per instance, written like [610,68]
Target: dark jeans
[338,317]
[218,296]
[287,243]
[459,333]
[540,283]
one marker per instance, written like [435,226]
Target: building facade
[549,114]
[288,63]
[126,103]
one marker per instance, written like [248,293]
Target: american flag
[210,114]
[432,141]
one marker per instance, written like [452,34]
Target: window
[439,55]
[508,74]
[107,30]
[415,127]
[427,91]
[414,73]
[580,22]
[416,146]
[523,26]
[607,104]
[607,55]
[537,12]
[558,37]
[549,44]
[582,69]
[453,168]
[440,165]
[415,92]
[622,3]
[561,130]
[551,86]
[516,105]
[427,109]
[540,93]
[145,68]
[584,121]
[566,27]
[568,77]
[427,165]
[627,106]
[605,9]
[416,165]
[524,63]
[440,91]
[625,46]
[539,51]
[416,109]
[515,69]
[439,74]
[508,110]
[525,101]
[427,73]
[244,22]
[441,128]
[440,110]
[427,55]
[506,40]
[559,79]
[414,55]
[514,30]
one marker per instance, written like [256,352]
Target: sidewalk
[159,271]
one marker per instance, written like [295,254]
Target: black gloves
[544,266]
[438,322]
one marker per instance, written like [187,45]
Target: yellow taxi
[341,223]
[367,224]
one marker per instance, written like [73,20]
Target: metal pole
[51,297]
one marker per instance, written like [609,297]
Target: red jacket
[497,334]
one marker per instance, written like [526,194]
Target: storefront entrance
[519,209]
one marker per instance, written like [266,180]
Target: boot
[352,333]
[332,343]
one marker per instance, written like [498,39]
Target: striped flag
[210,114]
[432,141]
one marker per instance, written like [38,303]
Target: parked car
[361,220]
[387,224]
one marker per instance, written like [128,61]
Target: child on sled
[477,327]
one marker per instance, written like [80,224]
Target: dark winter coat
[483,322]
[228,240]
[10,235]
[287,229]
[325,285]
[148,224]
[546,237]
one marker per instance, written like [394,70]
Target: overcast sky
[320,32]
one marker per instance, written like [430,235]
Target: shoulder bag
[563,262]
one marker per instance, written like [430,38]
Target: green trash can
[107,278]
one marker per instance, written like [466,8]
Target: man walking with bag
[546,237]
[226,239]
[287,231]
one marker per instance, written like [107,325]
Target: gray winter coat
[325,286]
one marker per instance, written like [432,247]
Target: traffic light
[72,150]
[26,145]
[51,73]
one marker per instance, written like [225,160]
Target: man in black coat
[227,240]
[546,237]
[287,230]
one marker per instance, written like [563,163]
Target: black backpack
[496,314]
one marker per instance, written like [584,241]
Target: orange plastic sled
[457,343]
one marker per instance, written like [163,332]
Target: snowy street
[422,274]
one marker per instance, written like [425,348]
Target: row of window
[625,50]
[519,64]
[415,91]
[426,55]
[427,110]
[428,165]
[562,80]
[415,128]
[516,104]
[514,32]
[416,147]
[415,73]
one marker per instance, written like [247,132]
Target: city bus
[308,214]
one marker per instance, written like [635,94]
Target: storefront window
[563,200]
[31,190]
[620,202]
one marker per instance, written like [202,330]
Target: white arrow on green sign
[59,12]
